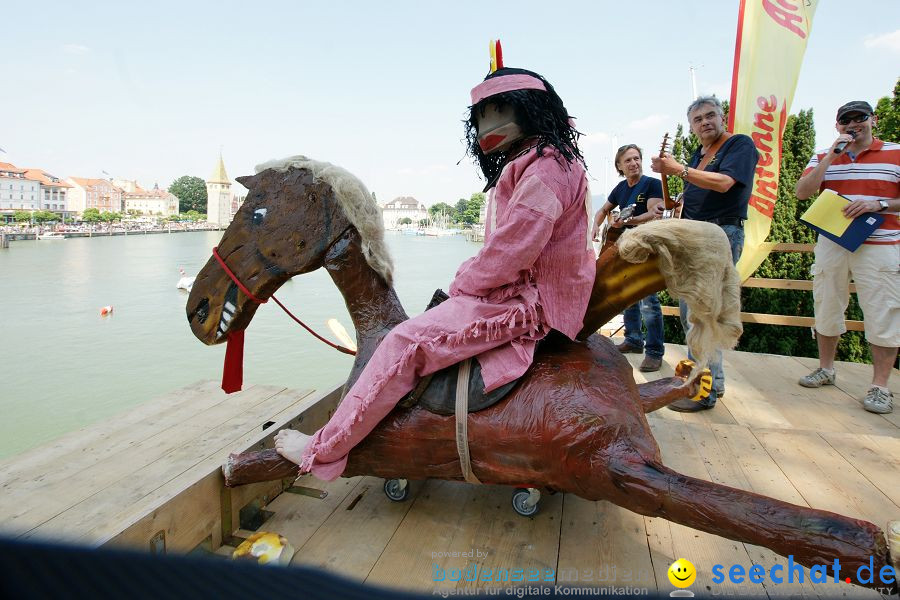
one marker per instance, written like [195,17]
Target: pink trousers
[502,334]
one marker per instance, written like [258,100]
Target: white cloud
[75,49]
[885,41]
[650,122]
[594,139]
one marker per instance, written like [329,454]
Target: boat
[51,235]
[185,283]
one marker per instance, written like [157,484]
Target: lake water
[64,366]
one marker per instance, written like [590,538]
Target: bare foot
[290,444]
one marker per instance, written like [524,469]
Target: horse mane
[695,261]
[358,205]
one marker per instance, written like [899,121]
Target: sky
[154,91]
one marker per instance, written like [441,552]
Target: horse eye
[258,215]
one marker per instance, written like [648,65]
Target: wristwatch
[884,205]
[684,172]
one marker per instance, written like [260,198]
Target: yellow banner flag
[771,41]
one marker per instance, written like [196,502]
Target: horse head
[296,210]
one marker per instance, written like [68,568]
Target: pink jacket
[537,232]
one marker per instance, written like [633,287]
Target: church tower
[218,193]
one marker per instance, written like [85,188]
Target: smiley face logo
[682,573]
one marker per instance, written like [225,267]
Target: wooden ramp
[150,479]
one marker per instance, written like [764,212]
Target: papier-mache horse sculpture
[573,423]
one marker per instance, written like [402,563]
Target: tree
[191,193]
[22,216]
[405,221]
[442,208]
[45,216]
[888,111]
[472,210]
[90,215]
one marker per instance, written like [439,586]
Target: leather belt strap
[462,416]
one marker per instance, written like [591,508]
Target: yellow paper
[827,213]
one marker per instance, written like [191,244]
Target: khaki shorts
[876,271]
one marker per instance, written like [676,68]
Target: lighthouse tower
[218,193]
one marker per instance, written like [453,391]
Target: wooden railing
[780,284]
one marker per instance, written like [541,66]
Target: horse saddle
[437,392]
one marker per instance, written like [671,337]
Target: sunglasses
[856,119]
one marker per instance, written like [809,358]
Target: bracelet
[684,172]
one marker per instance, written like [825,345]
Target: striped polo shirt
[874,174]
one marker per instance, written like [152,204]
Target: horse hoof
[396,489]
[684,368]
[704,386]
[525,501]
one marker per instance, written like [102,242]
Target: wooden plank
[784,284]
[764,319]
[44,497]
[735,458]
[789,247]
[703,549]
[297,517]
[769,374]
[89,445]
[168,504]
[450,517]
[119,486]
[825,479]
[602,544]
[873,459]
[855,379]
[350,541]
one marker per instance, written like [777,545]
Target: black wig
[541,116]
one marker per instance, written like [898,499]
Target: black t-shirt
[645,188]
[736,158]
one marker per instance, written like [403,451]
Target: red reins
[247,293]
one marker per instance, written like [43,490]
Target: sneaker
[817,378]
[627,347]
[878,401]
[651,364]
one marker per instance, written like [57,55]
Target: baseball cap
[855,106]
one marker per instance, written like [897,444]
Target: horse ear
[246,181]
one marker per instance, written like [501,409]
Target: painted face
[682,573]
[630,164]
[497,128]
[706,123]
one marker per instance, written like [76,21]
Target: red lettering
[764,160]
[767,188]
[762,120]
[760,138]
[765,207]
[785,15]
[763,174]
[767,105]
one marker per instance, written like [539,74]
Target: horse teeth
[229,307]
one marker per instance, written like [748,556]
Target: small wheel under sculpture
[525,501]
[396,489]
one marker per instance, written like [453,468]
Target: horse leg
[662,392]
[813,537]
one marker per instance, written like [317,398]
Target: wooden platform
[150,478]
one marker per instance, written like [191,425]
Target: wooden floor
[767,435]
[108,484]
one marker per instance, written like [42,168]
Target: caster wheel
[396,489]
[525,501]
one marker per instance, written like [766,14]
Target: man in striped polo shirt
[865,170]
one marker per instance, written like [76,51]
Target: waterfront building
[17,191]
[218,194]
[155,202]
[53,191]
[101,194]
[404,207]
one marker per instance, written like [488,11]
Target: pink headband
[505,83]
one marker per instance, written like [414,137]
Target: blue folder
[825,217]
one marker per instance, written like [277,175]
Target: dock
[149,479]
